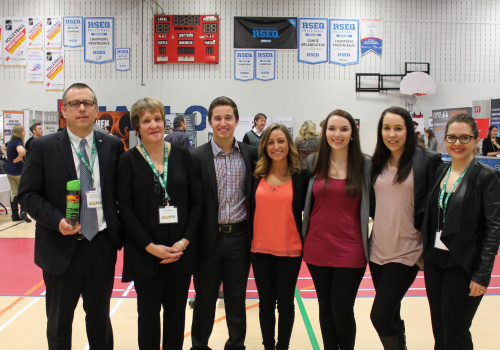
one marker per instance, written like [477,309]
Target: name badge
[438,243]
[168,215]
[94,199]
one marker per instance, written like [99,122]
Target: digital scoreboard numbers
[186,38]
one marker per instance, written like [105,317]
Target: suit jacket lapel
[65,149]
[248,172]
[102,155]
[210,164]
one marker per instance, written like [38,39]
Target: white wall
[460,39]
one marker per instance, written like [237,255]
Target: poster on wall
[122,60]
[344,41]
[53,33]
[1,51]
[99,39]
[35,33]
[495,112]
[265,32]
[481,113]
[50,122]
[54,70]
[11,118]
[265,64]
[73,31]
[34,67]
[372,33]
[119,121]
[439,119]
[14,41]
[244,65]
[313,40]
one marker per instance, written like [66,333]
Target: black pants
[336,288]
[391,282]
[229,263]
[91,274]
[276,278]
[168,288]
[452,309]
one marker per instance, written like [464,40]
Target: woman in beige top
[401,174]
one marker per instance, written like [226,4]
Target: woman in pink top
[276,205]
[336,227]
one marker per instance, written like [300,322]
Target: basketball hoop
[417,84]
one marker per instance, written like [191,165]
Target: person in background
[321,126]
[401,175]
[491,144]
[335,227]
[178,136]
[461,233]
[253,136]
[415,126]
[14,151]
[276,205]
[432,143]
[307,142]
[157,178]
[107,129]
[37,131]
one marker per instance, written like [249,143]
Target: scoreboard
[186,38]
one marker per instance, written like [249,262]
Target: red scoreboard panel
[186,38]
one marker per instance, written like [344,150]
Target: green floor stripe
[309,329]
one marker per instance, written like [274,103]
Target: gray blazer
[364,210]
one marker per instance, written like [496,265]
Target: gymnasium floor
[22,307]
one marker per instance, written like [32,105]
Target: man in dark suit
[76,260]
[225,168]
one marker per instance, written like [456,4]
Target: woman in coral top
[276,206]
[336,227]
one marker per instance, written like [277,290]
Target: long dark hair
[382,154]
[489,130]
[430,137]
[355,159]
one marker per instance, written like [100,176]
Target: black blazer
[471,230]
[488,146]
[425,163]
[42,192]
[299,185]
[204,161]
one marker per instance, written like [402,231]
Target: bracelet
[182,245]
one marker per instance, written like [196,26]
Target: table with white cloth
[4,191]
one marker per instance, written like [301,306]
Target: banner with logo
[344,41]
[495,112]
[34,67]
[35,33]
[244,65]
[439,119]
[73,31]
[54,70]
[119,121]
[372,32]
[313,40]
[265,32]
[99,39]
[481,113]
[14,41]
[122,60]
[51,122]
[53,33]
[265,64]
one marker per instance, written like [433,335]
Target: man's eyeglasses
[464,139]
[76,104]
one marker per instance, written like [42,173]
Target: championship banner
[54,70]
[265,32]
[34,68]
[495,112]
[344,41]
[265,64]
[372,32]
[14,41]
[73,31]
[122,61]
[35,33]
[53,33]
[313,40]
[99,39]
[244,65]
[439,119]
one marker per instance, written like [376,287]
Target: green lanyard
[163,181]
[444,205]
[85,162]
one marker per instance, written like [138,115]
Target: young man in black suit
[76,260]
[225,168]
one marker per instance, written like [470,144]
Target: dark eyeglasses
[464,139]
[76,104]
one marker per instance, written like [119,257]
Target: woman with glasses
[401,175]
[491,144]
[461,236]
[160,205]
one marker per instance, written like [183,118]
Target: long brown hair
[264,164]
[355,158]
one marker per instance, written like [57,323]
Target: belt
[231,228]
[81,237]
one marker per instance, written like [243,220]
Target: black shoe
[24,216]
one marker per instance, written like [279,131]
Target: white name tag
[94,199]
[438,243]
[168,215]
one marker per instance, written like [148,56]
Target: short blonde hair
[17,131]
[307,130]
[141,106]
